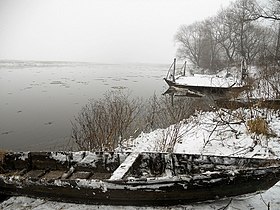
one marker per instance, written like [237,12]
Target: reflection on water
[196,100]
[39,99]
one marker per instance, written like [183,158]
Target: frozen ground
[222,132]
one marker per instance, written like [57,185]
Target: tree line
[246,29]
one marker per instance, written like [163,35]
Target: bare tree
[269,10]
[241,15]
[198,43]
[253,41]
[211,45]
[267,47]
[190,42]
[227,37]
[233,35]
[266,10]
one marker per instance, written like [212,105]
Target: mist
[108,31]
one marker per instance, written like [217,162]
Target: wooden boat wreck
[133,178]
[205,84]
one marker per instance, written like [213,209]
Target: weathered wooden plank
[120,172]
[34,174]
[53,175]
[80,175]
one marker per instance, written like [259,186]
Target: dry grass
[258,126]
[2,155]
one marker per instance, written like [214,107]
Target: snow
[62,157]
[23,156]
[90,158]
[225,78]
[207,81]
[81,157]
[207,133]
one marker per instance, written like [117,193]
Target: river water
[38,100]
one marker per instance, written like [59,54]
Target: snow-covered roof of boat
[207,81]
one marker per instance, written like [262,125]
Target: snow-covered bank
[223,132]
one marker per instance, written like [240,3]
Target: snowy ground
[222,132]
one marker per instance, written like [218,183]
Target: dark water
[39,99]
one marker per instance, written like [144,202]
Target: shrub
[103,123]
[258,126]
[162,112]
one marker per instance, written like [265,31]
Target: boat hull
[205,89]
[170,194]
[150,180]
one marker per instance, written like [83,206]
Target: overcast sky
[102,31]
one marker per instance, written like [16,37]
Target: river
[40,99]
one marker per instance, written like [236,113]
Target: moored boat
[204,83]
[133,178]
